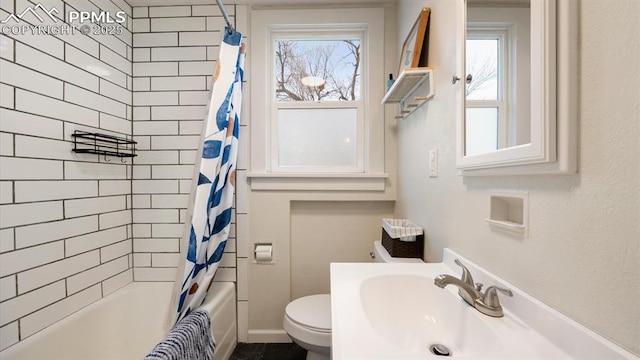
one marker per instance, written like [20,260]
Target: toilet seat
[308,319]
[310,328]
[312,312]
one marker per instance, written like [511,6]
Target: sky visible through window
[482,63]
[337,63]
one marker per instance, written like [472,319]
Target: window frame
[318,32]
[380,62]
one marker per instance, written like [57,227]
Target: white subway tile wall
[76,227]
[66,225]
[174,56]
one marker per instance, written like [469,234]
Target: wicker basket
[403,249]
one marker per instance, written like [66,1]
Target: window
[487,94]
[316,109]
[318,68]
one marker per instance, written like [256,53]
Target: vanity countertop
[394,311]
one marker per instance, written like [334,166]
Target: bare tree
[483,71]
[295,61]
[348,87]
[284,58]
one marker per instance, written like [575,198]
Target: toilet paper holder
[263,253]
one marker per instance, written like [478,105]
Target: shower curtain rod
[226,16]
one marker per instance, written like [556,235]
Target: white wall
[582,256]
[65,233]
[323,232]
[273,218]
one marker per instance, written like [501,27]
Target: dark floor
[268,352]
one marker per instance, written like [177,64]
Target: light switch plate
[433,163]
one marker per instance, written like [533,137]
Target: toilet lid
[312,311]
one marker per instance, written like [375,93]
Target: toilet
[307,320]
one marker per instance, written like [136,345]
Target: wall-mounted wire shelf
[103,144]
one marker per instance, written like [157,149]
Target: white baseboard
[268,336]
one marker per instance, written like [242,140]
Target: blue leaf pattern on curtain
[211,149]
[213,200]
[203,180]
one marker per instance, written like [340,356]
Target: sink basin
[394,311]
[427,315]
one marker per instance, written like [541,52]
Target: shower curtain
[213,185]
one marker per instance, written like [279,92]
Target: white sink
[426,317]
[395,312]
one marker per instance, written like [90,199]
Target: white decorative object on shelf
[412,89]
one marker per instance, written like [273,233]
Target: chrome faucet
[487,303]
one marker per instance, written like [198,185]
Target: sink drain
[439,350]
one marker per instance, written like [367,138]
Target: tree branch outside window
[337,62]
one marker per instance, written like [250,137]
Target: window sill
[318,181]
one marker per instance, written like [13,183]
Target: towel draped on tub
[190,339]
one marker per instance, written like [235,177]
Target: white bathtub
[126,325]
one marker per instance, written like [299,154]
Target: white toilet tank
[380,254]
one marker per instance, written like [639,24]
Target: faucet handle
[466,275]
[490,297]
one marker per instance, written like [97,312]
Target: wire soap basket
[102,144]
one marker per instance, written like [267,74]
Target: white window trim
[263,175]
